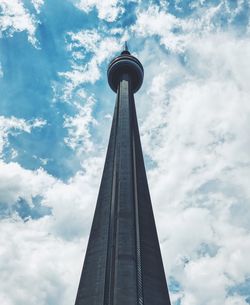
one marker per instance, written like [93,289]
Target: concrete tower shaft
[123,264]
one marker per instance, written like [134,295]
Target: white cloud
[17,182]
[15,18]
[46,254]
[73,202]
[236,300]
[177,33]
[195,127]
[13,126]
[79,137]
[83,71]
[205,280]
[108,10]
[38,264]
[150,22]
[53,245]
[38,4]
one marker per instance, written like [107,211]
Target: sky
[194,116]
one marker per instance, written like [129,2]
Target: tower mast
[123,264]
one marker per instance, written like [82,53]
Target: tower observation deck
[123,264]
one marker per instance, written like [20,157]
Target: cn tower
[123,263]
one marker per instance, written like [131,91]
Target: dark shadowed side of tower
[123,264]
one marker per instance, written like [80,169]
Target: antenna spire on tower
[125,51]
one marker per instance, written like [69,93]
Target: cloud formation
[12,126]
[88,49]
[196,132]
[107,10]
[79,137]
[16,18]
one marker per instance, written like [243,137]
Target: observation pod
[122,65]
[123,264]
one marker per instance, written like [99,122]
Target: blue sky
[194,116]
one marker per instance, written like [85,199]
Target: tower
[123,264]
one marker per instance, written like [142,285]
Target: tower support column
[123,264]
